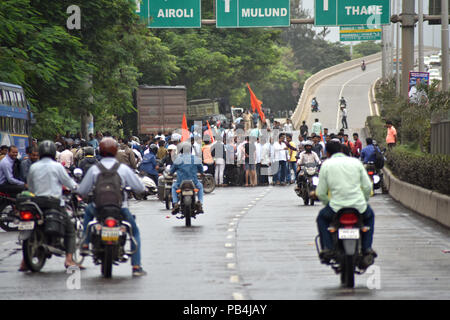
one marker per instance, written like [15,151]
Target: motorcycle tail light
[348,219]
[110,222]
[196,190]
[370,173]
[26,215]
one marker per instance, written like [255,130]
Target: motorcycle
[109,234]
[9,216]
[363,67]
[208,181]
[188,193]
[42,230]
[165,182]
[346,230]
[315,107]
[150,186]
[376,176]
[309,174]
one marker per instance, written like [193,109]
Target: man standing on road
[317,127]
[391,137]
[357,146]
[344,117]
[304,130]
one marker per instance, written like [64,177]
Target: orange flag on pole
[184,129]
[256,104]
[210,131]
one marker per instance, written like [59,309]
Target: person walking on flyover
[344,117]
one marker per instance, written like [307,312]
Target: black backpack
[108,187]
[379,159]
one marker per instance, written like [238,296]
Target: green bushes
[426,170]
[410,160]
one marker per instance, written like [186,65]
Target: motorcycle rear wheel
[34,254]
[187,214]
[107,262]
[348,272]
[168,202]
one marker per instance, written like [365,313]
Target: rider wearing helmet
[307,156]
[46,178]
[108,151]
[187,166]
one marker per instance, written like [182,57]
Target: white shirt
[279,151]
[258,152]
[266,155]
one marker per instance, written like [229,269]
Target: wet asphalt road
[253,243]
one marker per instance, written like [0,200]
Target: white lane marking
[234,279]
[231,265]
[238,296]
[228,245]
[230,255]
[231,230]
[342,90]
[230,236]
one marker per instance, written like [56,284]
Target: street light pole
[408,23]
[421,61]
[397,49]
[445,42]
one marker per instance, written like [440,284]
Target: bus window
[15,102]
[1,96]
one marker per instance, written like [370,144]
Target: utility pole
[421,61]
[445,51]
[383,54]
[408,22]
[397,49]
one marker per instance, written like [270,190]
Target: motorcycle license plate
[348,233]
[188,193]
[26,225]
[110,234]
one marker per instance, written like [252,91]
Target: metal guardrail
[440,133]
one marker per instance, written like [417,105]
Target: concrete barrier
[309,88]
[431,204]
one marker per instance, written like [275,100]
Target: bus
[15,117]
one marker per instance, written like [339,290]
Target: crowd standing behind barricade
[241,153]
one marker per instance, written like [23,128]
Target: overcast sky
[431,32]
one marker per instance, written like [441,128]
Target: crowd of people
[250,155]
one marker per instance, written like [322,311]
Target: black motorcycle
[165,182]
[376,176]
[188,195]
[109,233]
[363,67]
[42,230]
[308,179]
[9,216]
[346,229]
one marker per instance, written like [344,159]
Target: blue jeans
[89,214]
[176,185]
[280,176]
[291,165]
[326,215]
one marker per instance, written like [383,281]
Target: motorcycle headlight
[315,181]
[376,178]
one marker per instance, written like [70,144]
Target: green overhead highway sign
[352,12]
[252,13]
[171,13]
[359,33]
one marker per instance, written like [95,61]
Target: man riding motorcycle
[46,178]
[344,183]
[186,166]
[108,151]
[307,156]
[314,105]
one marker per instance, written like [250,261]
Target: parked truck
[160,108]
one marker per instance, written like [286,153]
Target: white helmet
[172,147]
